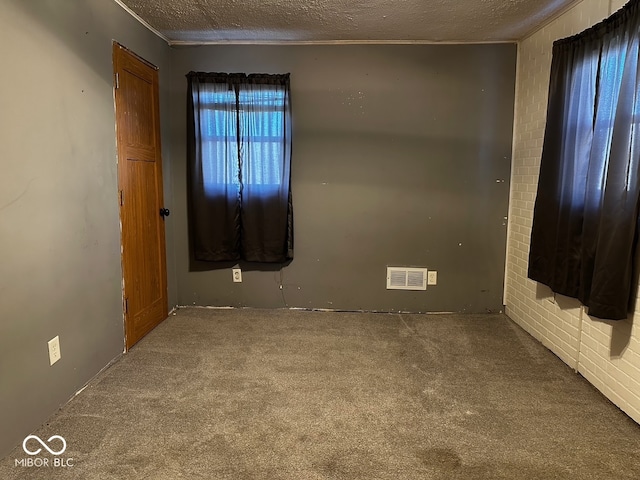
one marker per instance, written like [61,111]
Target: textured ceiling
[214,21]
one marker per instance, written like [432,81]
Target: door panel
[140,181]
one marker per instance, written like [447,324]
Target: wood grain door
[141,204]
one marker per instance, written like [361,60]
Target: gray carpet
[257,394]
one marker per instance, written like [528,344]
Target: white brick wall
[605,353]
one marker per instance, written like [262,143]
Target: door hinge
[122,198]
[126,305]
[117,81]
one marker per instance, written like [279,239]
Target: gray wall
[59,227]
[401,157]
[396,155]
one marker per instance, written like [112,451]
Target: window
[263,117]
[584,231]
[239,164]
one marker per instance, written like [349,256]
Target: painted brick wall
[605,353]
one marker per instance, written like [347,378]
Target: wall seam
[580,331]
[515,127]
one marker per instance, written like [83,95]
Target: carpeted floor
[275,394]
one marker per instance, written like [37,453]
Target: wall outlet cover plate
[54,349]
[237,275]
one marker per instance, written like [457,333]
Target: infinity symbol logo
[44,445]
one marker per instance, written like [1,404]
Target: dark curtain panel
[586,212]
[239,157]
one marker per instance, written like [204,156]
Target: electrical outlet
[237,275]
[432,277]
[54,350]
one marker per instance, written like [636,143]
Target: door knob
[164,212]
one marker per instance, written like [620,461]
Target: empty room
[320,240]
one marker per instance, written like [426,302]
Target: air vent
[406,278]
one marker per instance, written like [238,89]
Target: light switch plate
[432,277]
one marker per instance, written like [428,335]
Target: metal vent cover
[406,278]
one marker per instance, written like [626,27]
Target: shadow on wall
[621,330]
[620,337]
[199,266]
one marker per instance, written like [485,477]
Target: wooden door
[141,204]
